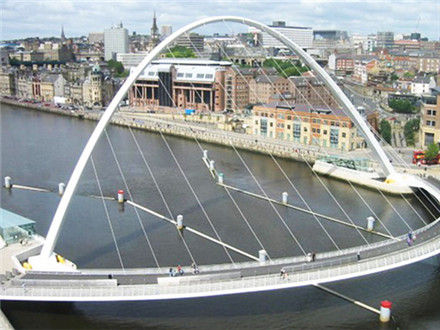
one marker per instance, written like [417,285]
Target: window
[314,130]
[430,123]
[188,75]
[263,126]
[271,124]
[289,117]
[296,132]
[305,129]
[344,135]
[334,137]
[429,138]
[431,112]
[288,127]
[208,76]
[318,131]
[180,75]
[200,75]
[325,132]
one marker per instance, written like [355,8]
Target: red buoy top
[386,304]
[120,192]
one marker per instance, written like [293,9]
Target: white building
[422,85]
[95,37]
[115,41]
[130,60]
[303,36]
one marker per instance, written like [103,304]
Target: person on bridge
[195,268]
[283,273]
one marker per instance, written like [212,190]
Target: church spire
[154,29]
[63,37]
[155,37]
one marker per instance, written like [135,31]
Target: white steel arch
[52,236]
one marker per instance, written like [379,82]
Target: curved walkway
[151,284]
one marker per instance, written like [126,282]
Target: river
[40,149]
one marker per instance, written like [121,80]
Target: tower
[63,37]
[154,33]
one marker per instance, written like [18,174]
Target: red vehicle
[419,158]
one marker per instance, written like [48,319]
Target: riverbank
[263,145]
[188,131]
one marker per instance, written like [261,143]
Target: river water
[40,149]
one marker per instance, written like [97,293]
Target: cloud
[81,17]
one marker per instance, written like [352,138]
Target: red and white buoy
[385,310]
[120,196]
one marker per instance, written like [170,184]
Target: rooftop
[191,61]
[9,219]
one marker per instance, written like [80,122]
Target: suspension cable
[305,98]
[131,197]
[160,192]
[305,160]
[227,191]
[195,195]
[107,213]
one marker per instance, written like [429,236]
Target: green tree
[409,130]
[180,52]
[408,74]
[385,130]
[286,68]
[432,151]
[401,105]
[116,67]
[394,77]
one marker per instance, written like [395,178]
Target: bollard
[61,187]
[8,183]
[370,223]
[205,154]
[385,310]
[262,256]
[180,222]
[211,165]
[220,178]
[285,195]
[120,196]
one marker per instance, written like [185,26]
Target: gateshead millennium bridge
[49,277]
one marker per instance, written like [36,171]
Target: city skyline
[79,18]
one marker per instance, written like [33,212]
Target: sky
[44,18]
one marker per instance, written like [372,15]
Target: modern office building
[303,36]
[96,37]
[192,40]
[385,39]
[130,60]
[115,41]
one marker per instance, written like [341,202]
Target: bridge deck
[135,285]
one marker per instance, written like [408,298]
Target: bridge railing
[253,283]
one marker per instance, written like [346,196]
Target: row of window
[189,75]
